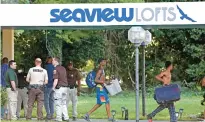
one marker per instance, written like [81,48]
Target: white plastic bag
[114,88]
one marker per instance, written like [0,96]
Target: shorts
[102,95]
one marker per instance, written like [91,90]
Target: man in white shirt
[37,78]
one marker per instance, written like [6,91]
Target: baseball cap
[70,63]
[101,59]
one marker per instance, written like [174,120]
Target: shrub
[3,96]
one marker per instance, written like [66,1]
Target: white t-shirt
[37,75]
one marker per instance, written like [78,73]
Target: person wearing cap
[48,91]
[60,88]
[74,77]
[101,92]
[37,78]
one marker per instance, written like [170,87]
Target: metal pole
[137,82]
[143,82]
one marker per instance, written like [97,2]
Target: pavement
[104,120]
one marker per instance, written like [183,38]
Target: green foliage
[86,1]
[23,1]
[196,70]
[28,46]
[54,43]
[80,51]
[3,96]
[185,47]
[89,66]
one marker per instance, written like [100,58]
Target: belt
[72,86]
[22,87]
[58,87]
[35,86]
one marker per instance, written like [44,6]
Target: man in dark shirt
[48,92]
[74,77]
[11,83]
[22,92]
[60,87]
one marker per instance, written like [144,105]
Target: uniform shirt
[37,75]
[60,74]
[11,76]
[50,68]
[4,68]
[73,75]
[22,80]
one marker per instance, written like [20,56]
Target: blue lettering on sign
[84,15]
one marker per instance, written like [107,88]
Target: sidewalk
[103,120]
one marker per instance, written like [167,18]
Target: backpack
[90,79]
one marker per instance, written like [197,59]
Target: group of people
[52,87]
[54,84]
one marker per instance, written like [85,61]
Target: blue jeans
[2,112]
[49,101]
[161,107]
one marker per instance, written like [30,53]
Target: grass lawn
[190,104]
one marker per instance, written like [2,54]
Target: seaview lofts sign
[170,13]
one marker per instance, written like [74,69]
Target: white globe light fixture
[138,36]
[148,38]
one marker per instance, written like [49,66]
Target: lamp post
[137,35]
[143,81]
[148,39]
[180,112]
[125,112]
[113,115]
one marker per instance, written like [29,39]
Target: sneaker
[40,119]
[74,118]
[86,117]
[111,120]
[28,119]
[149,118]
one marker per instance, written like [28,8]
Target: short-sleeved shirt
[11,76]
[73,75]
[4,68]
[60,74]
[49,67]
[37,75]
[22,80]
